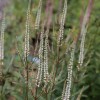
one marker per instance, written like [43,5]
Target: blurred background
[15,11]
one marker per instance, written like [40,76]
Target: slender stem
[46,95]
[57,62]
[27,79]
[1,80]
[36,93]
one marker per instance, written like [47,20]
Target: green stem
[57,62]
[27,79]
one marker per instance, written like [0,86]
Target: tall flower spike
[62,22]
[26,45]
[2,45]
[83,33]
[37,22]
[69,79]
[46,74]
[81,55]
[41,63]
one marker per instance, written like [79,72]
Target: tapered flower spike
[62,22]
[26,43]
[43,56]
[41,63]
[37,22]
[81,55]
[83,33]
[66,96]
[46,74]
[2,45]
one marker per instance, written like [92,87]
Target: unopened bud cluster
[37,22]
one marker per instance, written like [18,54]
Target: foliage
[85,82]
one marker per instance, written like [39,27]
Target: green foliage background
[15,25]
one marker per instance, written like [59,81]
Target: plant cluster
[52,63]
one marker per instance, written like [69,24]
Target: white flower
[26,44]
[66,94]
[2,45]
[62,22]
